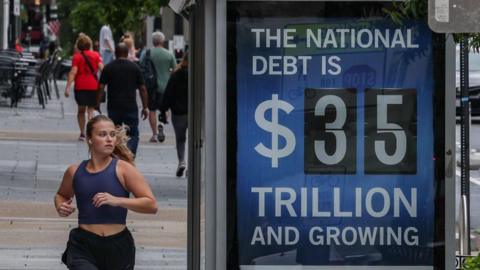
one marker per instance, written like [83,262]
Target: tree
[88,16]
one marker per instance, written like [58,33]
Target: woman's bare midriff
[103,229]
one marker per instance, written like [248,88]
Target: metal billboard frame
[215,131]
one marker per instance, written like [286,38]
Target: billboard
[335,145]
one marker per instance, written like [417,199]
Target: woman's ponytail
[121,151]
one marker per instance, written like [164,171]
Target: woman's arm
[64,196]
[144,201]
[169,92]
[70,79]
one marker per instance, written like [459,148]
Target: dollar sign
[273,127]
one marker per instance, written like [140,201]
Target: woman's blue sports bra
[86,185]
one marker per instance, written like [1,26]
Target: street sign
[16,7]
[335,146]
[454,16]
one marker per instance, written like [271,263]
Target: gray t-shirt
[164,63]
[105,36]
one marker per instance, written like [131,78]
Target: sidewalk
[36,146]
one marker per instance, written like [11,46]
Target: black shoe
[162,117]
[161,134]
[181,167]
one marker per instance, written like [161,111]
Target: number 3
[336,127]
[384,127]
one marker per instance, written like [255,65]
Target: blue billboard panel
[333,162]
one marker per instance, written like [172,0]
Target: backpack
[149,72]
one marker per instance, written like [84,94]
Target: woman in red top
[86,82]
[18,46]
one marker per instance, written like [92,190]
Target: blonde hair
[128,34]
[121,150]
[129,42]
[83,42]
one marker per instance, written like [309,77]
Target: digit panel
[390,131]
[330,133]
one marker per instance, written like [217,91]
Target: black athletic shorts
[89,251]
[86,97]
[155,100]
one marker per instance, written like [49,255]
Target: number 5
[384,127]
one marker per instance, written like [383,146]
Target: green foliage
[472,263]
[473,40]
[409,9]
[417,9]
[88,16]
[67,37]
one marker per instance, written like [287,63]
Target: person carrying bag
[94,74]
[85,64]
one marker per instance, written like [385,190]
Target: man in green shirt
[164,63]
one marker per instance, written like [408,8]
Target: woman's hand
[66,208]
[67,92]
[103,198]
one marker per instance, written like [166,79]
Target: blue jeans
[131,120]
[107,56]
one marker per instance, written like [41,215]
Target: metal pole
[195,98]
[11,27]
[5,23]
[464,151]
[149,21]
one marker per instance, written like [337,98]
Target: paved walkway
[36,146]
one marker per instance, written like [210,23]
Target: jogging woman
[85,66]
[101,186]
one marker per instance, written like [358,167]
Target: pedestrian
[96,46]
[18,45]
[101,186]
[139,48]
[132,55]
[106,44]
[127,34]
[176,99]
[43,48]
[52,47]
[122,78]
[164,63]
[129,39]
[85,66]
